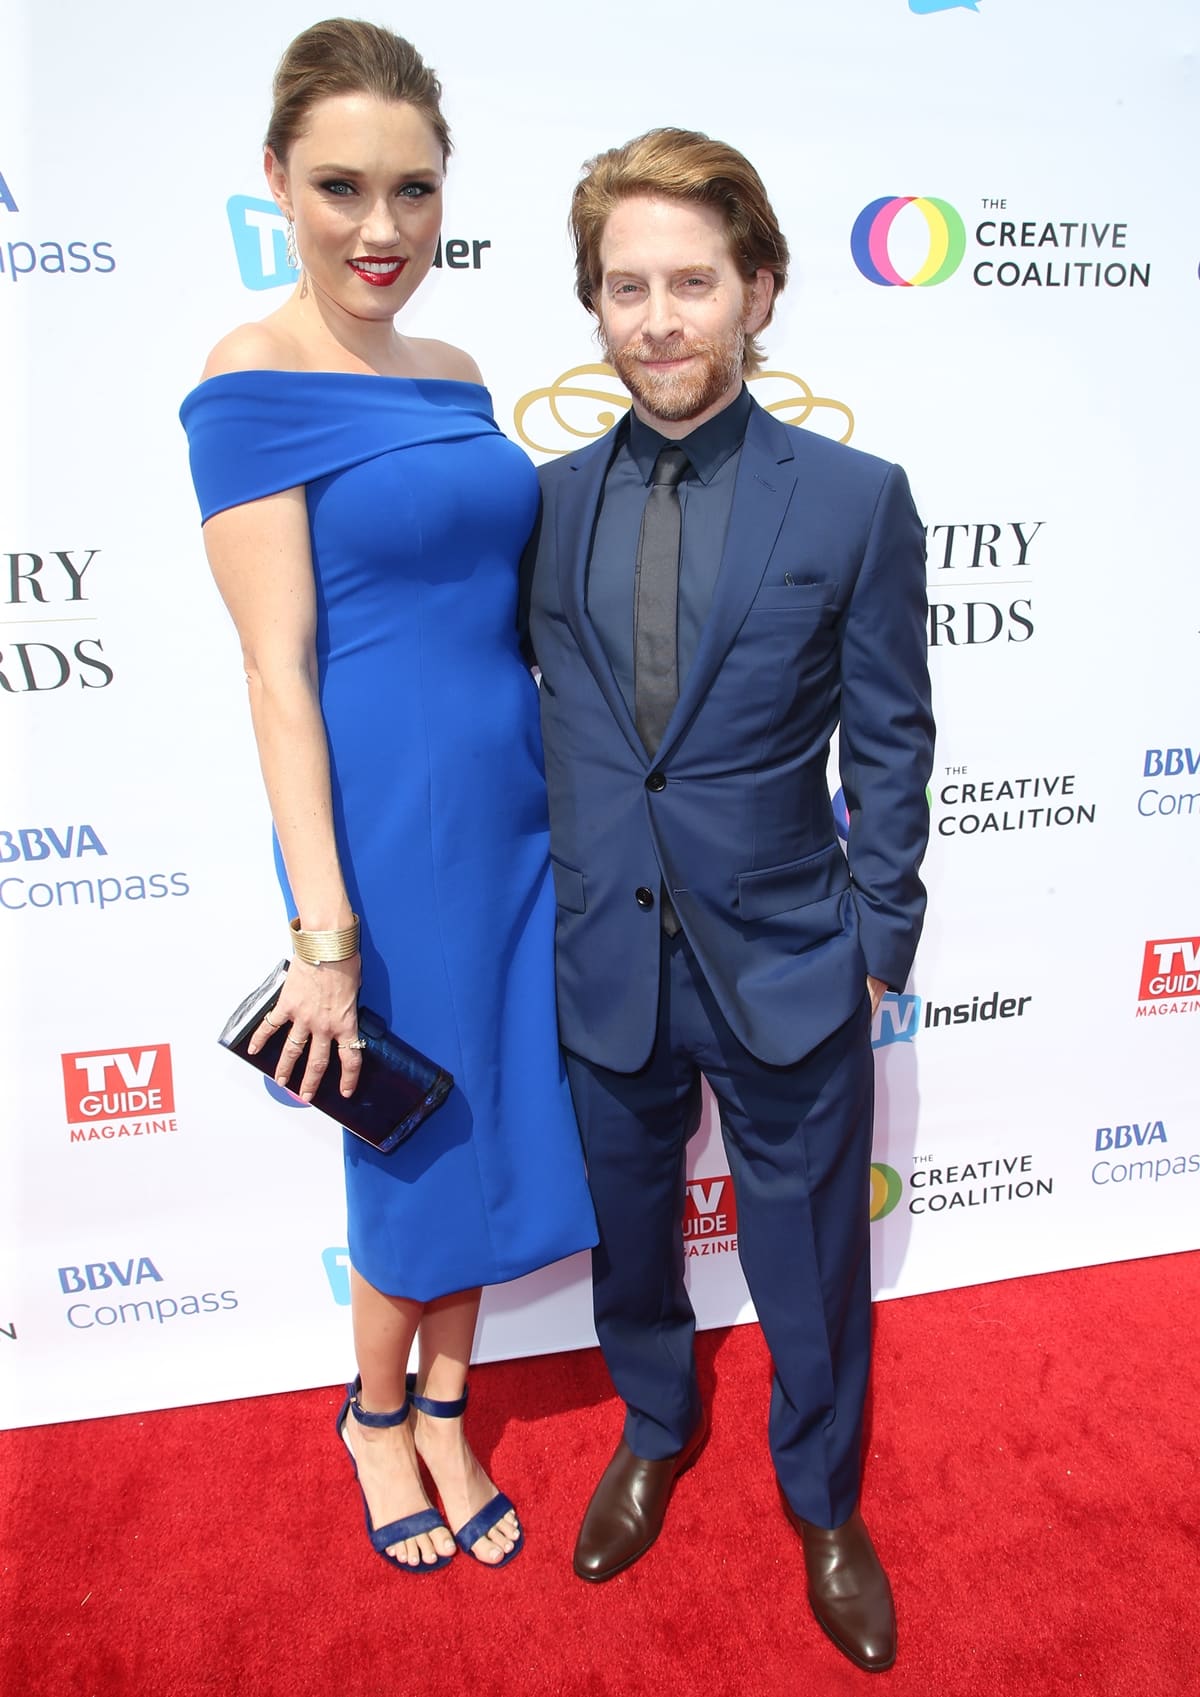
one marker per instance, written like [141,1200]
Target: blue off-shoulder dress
[418,511]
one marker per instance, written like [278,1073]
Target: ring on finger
[358,1043]
[294,1042]
[275,1024]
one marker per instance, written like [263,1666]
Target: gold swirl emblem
[576,392]
[796,404]
[583,403]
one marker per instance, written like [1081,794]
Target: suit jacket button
[656,781]
[644,898]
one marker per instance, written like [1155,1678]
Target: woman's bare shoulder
[251,347]
[440,359]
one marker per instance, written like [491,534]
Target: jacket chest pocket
[809,598]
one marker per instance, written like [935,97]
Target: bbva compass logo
[943,241]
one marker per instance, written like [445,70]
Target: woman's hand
[320,1003]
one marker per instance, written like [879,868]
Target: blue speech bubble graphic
[923,6]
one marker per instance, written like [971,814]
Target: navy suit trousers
[798,1141]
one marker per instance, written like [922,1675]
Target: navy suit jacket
[818,616]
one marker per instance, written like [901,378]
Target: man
[709,593]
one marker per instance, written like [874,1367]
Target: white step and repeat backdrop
[995,282]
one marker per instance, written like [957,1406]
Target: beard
[677,395]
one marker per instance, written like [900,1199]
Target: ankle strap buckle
[364,1417]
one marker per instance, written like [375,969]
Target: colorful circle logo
[841,816]
[872,230]
[886,1185]
[841,812]
[287,1098]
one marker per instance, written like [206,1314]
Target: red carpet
[1032,1483]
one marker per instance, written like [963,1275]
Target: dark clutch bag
[397,1088]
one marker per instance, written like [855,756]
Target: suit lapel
[766,480]
[575,521]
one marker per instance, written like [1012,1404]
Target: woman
[363,519]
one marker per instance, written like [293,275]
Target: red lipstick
[380,273]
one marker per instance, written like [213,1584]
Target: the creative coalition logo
[1121,1163]
[32,877]
[259,232]
[915,241]
[112,1094]
[901,1017]
[47,588]
[936,1189]
[979,581]
[1168,797]
[1057,244]
[975,807]
[39,258]
[887,1187]
[1170,977]
[148,1307]
[942,253]
[710,1220]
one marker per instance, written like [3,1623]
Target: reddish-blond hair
[680,165]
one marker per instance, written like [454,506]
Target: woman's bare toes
[499,1541]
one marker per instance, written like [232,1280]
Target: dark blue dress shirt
[705,499]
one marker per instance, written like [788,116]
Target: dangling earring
[293,255]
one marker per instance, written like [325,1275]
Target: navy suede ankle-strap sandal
[479,1524]
[411,1525]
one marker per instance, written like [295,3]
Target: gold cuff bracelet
[317,946]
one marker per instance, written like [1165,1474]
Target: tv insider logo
[259,232]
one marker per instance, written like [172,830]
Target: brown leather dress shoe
[848,1590]
[628,1507]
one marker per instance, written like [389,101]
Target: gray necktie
[655,619]
[655,656]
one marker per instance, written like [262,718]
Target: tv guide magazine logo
[710,1221]
[1170,977]
[114,1094]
